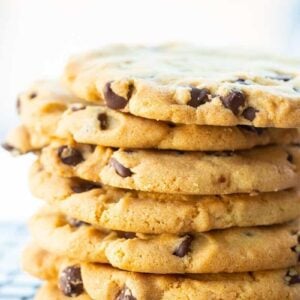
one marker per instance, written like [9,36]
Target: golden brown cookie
[102,282]
[191,85]
[263,169]
[49,112]
[134,211]
[229,250]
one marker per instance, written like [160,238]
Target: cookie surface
[185,84]
[102,282]
[53,113]
[229,250]
[143,212]
[262,169]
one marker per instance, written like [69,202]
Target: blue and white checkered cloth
[14,285]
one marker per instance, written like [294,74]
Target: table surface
[14,284]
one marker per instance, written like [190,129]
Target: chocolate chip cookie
[104,282]
[229,250]
[134,211]
[261,169]
[53,113]
[190,85]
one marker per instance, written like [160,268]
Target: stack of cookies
[168,173]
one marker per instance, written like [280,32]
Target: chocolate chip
[120,169]
[251,275]
[32,95]
[126,235]
[198,97]
[248,233]
[178,152]
[70,281]
[222,179]
[102,118]
[292,277]
[281,77]
[18,106]
[130,91]
[8,147]
[253,129]
[290,158]
[171,125]
[125,294]
[242,81]
[129,151]
[69,156]
[234,101]
[113,100]
[81,186]
[184,247]
[249,113]
[296,248]
[75,222]
[11,149]
[129,235]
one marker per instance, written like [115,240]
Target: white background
[37,36]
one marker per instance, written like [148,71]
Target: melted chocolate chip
[198,97]
[234,101]
[125,294]
[102,118]
[120,169]
[129,151]
[8,147]
[18,106]
[81,186]
[184,247]
[113,100]
[126,235]
[171,125]
[11,149]
[75,222]
[251,275]
[248,233]
[292,277]
[33,95]
[222,179]
[253,129]
[290,158]
[249,113]
[69,156]
[281,77]
[130,91]
[70,281]
[178,152]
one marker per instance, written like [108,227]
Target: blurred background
[36,38]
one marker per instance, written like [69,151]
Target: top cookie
[185,84]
